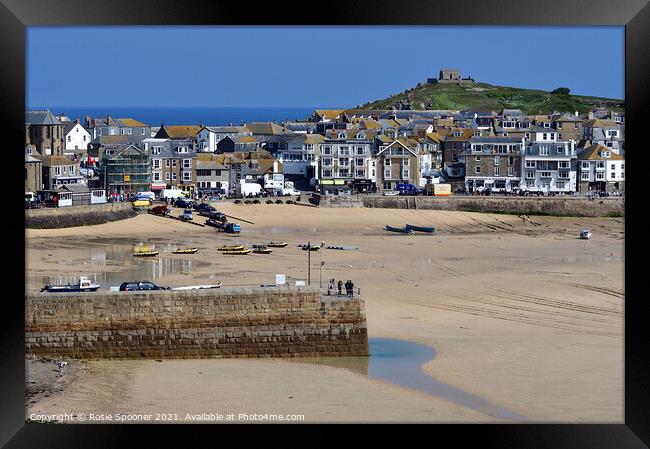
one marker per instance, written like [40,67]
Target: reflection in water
[95,261]
[399,362]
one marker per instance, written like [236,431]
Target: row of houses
[365,150]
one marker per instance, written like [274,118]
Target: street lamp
[320,255]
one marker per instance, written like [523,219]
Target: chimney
[591,115]
[88,121]
[76,121]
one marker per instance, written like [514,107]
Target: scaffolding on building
[126,172]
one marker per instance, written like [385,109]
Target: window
[187,163]
[167,176]
[327,150]
[563,164]
[454,157]
[585,165]
[613,175]
[511,171]
[544,136]
[511,160]
[559,184]
[530,164]
[575,125]
[156,176]
[344,173]
[327,172]
[545,174]
[327,161]
[344,151]
[559,125]
[142,131]
[173,176]
[405,173]
[187,176]
[560,150]
[547,125]
[84,138]
[202,172]
[478,159]
[129,131]
[600,176]
[99,132]
[387,162]
[477,169]
[344,161]
[360,173]
[405,162]
[584,176]
[360,151]
[122,131]
[610,144]
[156,163]
[497,160]
[69,138]
[600,165]
[387,173]
[156,150]
[173,162]
[543,150]
[359,161]
[497,171]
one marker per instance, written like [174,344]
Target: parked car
[187,214]
[182,202]
[407,189]
[143,285]
[204,208]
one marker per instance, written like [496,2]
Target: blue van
[407,189]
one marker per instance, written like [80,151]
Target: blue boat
[421,228]
[400,230]
[84,285]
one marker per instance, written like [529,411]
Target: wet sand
[522,315]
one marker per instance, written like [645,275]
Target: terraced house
[493,162]
[550,167]
[212,175]
[173,164]
[600,170]
[399,162]
[346,155]
[301,155]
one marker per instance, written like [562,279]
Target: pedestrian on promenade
[351,288]
[347,287]
[340,285]
[330,287]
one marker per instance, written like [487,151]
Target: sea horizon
[194,115]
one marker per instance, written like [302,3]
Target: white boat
[84,285]
[197,287]
[585,234]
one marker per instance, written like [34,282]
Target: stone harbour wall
[557,206]
[238,322]
[66,217]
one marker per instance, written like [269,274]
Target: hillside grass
[482,96]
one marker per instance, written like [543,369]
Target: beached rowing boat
[400,230]
[261,249]
[198,287]
[185,251]
[420,228]
[277,244]
[231,248]
[238,251]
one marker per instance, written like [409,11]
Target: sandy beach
[523,315]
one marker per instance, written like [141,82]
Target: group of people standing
[349,287]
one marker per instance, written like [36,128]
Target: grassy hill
[482,96]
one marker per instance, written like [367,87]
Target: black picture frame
[16,15]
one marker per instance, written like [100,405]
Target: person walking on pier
[340,285]
[330,287]
[351,288]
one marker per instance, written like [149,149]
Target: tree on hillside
[561,91]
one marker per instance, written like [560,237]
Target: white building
[600,169]
[301,156]
[76,137]
[549,166]
[209,136]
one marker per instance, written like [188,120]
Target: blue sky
[307,66]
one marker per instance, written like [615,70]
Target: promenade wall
[238,322]
[558,206]
[65,217]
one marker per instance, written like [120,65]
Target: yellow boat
[277,244]
[149,253]
[144,251]
[231,248]
[185,251]
[239,251]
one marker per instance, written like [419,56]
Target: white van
[150,195]
[172,193]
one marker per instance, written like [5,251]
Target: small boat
[185,251]
[231,248]
[277,244]
[238,251]
[261,249]
[585,234]
[400,230]
[310,248]
[421,228]
[341,247]
[84,285]
[197,287]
